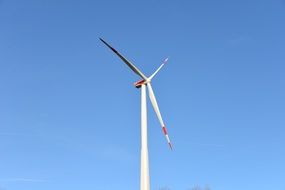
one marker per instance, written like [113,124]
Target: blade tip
[170,145]
[101,40]
[165,60]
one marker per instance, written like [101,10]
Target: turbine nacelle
[139,83]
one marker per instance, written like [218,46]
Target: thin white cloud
[21,180]
[209,145]
[15,134]
[10,134]
[117,153]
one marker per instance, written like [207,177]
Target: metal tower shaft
[145,182]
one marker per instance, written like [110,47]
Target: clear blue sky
[70,116]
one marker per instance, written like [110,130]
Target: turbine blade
[134,68]
[164,61]
[156,109]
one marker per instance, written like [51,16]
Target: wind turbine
[146,81]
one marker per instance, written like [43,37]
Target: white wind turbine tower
[144,179]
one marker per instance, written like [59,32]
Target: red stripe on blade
[164,130]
